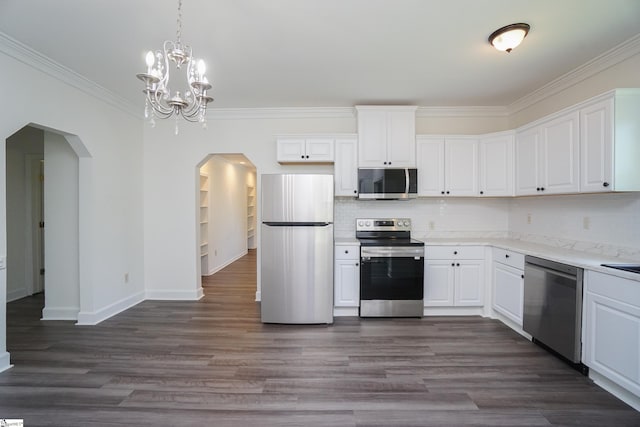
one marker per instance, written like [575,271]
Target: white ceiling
[329,53]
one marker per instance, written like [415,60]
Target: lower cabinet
[508,284]
[346,279]
[451,280]
[611,337]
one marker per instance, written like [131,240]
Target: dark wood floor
[212,362]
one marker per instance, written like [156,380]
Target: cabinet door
[401,139]
[508,291]
[430,159]
[319,150]
[496,166]
[469,283]
[527,165]
[291,150]
[461,167]
[346,167]
[438,283]
[372,139]
[596,147]
[561,151]
[347,283]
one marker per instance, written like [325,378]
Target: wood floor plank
[212,362]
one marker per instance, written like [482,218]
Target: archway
[67,164]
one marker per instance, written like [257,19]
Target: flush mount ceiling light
[160,101]
[507,38]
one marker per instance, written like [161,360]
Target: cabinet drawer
[510,258]
[347,252]
[454,252]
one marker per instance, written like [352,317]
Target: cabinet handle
[453,264]
[455,252]
[307,157]
[357,264]
[538,189]
[447,192]
[481,192]
[605,184]
[458,265]
[355,191]
[385,163]
[522,277]
[541,188]
[389,162]
[442,192]
[302,157]
[506,256]
[346,252]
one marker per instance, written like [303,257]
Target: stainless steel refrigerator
[296,247]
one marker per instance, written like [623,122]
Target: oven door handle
[391,252]
[406,181]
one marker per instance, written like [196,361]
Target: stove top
[385,232]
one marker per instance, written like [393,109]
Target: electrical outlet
[528,218]
[126,277]
[586,222]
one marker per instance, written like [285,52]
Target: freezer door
[297,198]
[297,274]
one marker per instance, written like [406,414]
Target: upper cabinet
[548,156]
[345,168]
[292,149]
[610,142]
[447,166]
[496,164]
[386,136]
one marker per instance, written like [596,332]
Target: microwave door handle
[406,181]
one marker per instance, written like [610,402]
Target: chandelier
[160,101]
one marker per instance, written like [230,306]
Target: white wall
[227,213]
[108,142]
[21,147]
[61,205]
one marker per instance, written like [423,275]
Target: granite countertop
[582,259]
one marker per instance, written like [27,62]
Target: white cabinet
[611,321]
[508,284]
[305,150]
[346,167]
[454,276]
[447,166]
[609,149]
[386,136]
[496,165]
[347,276]
[548,156]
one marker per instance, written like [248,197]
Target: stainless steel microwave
[387,183]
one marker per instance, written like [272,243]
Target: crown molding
[480,111]
[281,113]
[614,56]
[23,53]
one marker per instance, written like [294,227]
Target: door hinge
[41,224]
[41,271]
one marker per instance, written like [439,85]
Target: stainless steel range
[391,268]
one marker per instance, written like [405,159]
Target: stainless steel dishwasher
[553,306]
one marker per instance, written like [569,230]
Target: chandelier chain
[179,22]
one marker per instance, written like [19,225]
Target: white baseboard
[93,318]
[60,313]
[16,294]
[510,323]
[4,361]
[178,295]
[621,393]
[454,311]
[345,311]
[226,263]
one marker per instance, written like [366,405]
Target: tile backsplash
[607,224]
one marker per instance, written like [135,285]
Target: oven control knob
[405,223]
[360,223]
[368,223]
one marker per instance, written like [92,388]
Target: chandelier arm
[158,106]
